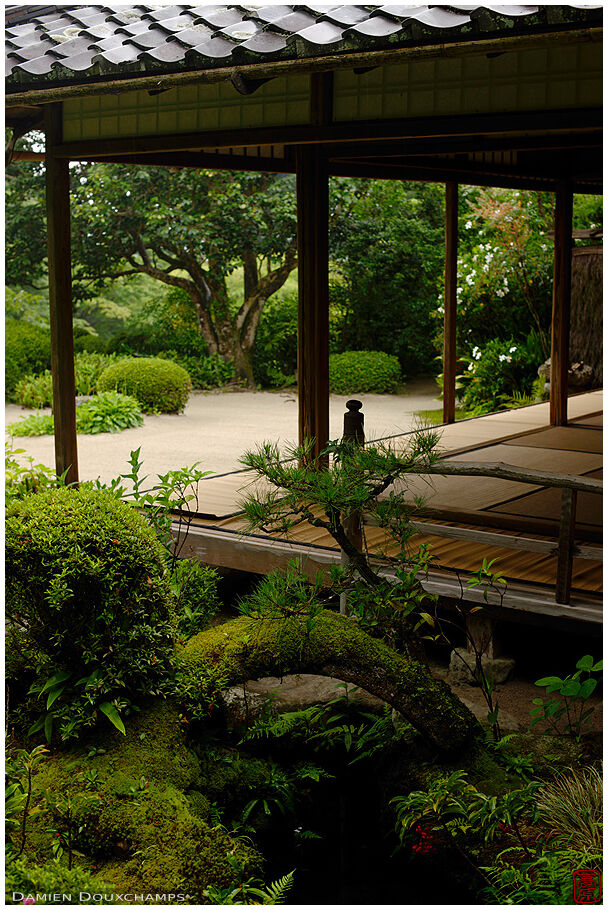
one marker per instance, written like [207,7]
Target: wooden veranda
[474,511]
[508,96]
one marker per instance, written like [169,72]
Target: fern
[277,891]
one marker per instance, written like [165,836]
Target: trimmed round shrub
[27,349]
[92,344]
[85,580]
[363,371]
[160,386]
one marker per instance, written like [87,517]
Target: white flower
[486,267]
[500,292]
[468,225]
[543,246]
[502,357]
[470,367]
[512,350]
[476,353]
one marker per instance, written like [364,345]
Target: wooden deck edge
[231,550]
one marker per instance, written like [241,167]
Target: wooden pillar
[560,323]
[313,296]
[449,318]
[60,297]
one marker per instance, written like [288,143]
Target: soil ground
[217,427]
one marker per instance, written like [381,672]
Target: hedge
[363,371]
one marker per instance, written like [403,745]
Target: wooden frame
[449,317]
[560,322]
[60,299]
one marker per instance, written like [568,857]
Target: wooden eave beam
[348,133]
[358,60]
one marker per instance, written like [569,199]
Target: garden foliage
[363,371]
[27,349]
[86,586]
[107,412]
[159,386]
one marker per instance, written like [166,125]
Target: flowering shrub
[504,265]
[498,370]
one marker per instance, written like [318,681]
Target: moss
[134,807]
[247,648]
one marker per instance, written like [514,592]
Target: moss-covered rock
[247,648]
[139,811]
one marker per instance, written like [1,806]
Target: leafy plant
[34,425]
[27,349]
[18,794]
[207,371]
[458,809]
[85,582]
[569,698]
[160,386]
[108,412]
[546,878]
[29,879]
[251,891]
[570,807]
[363,371]
[276,347]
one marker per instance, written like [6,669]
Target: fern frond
[277,891]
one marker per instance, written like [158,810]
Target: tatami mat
[573,438]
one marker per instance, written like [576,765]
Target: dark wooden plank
[351,132]
[322,98]
[449,318]
[60,298]
[565,547]
[354,60]
[560,321]
[313,297]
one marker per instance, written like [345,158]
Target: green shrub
[499,371]
[85,580]
[363,371]
[34,425]
[35,390]
[275,354]
[85,341]
[160,386]
[108,412]
[206,371]
[195,589]
[21,479]
[133,341]
[25,878]
[27,349]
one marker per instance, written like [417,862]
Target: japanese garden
[349,259]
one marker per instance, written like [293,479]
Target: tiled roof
[70,44]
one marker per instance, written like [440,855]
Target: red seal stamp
[587,886]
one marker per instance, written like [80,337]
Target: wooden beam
[560,322]
[565,549]
[320,64]
[512,472]
[313,297]
[60,298]
[449,317]
[349,133]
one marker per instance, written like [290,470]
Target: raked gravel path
[217,427]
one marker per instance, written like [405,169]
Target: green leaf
[53,696]
[571,688]
[55,680]
[587,688]
[113,716]
[549,681]
[36,727]
[48,727]
[585,663]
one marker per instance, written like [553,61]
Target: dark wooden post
[354,433]
[565,546]
[560,324]
[60,297]
[449,318]
[313,297]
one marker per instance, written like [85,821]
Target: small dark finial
[353,405]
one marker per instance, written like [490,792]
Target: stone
[243,706]
[462,668]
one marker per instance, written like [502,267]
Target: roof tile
[67,43]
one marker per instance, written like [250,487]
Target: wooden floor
[520,437]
